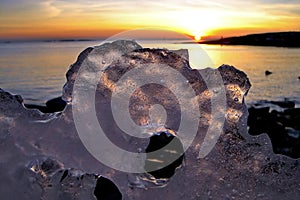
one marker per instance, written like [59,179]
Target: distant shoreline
[87,40]
[277,39]
[49,41]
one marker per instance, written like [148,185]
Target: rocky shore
[43,155]
[277,39]
[280,120]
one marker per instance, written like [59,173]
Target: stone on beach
[53,105]
[267,73]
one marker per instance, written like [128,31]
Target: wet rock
[41,152]
[106,190]
[43,109]
[284,104]
[281,126]
[267,73]
[55,105]
[257,120]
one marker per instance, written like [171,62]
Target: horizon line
[87,39]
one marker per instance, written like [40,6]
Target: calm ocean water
[37,70]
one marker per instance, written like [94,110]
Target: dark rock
[267,73]
[284,104]
[56,105]
[106,190]
[293,112]
[258,120]
[43,109]
[281,126]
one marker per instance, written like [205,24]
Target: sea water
[36,70]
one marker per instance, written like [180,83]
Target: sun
[197,37]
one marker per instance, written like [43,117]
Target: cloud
[188,15]
[284,10]
[277,1]
[28,9]
[50,8]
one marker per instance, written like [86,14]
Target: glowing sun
[197,37]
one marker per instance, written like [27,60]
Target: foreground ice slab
[43,157]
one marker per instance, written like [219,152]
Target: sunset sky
[39,19]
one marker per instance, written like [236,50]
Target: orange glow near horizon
[95,19]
